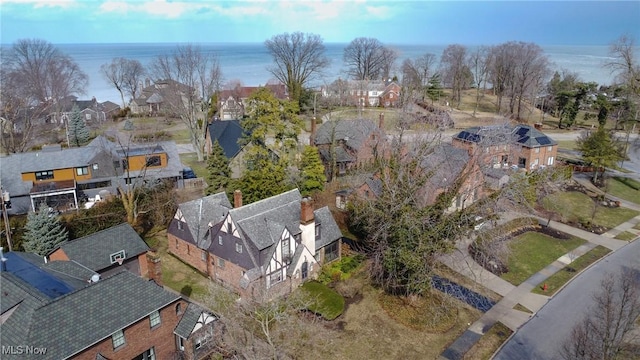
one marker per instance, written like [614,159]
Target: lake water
[248,62]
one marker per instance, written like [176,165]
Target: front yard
[532,252]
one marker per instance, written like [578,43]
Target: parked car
[187,173]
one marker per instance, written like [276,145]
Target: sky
[336,21]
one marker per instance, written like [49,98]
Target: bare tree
[456,73]
[125,75]
[624,63]
[606,331]
[531,65]
[479,62]
[367,59]
[298,58]
[191,77]
[416,73]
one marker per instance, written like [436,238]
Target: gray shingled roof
[281,209]
[18,302]
[89,315]
[329,230]
[189,320]
[214,209]
[353,132]
[531,137]
[93,250]
[227,133]
[446,162]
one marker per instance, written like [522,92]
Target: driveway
[541,337]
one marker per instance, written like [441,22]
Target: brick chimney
[154,267]
[313,131]
[306,211]
[381,121]
[237,199]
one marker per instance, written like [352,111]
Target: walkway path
[461,262]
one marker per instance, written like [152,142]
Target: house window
[180,225]
[286,250]
[82,171]
[87,116]
[95,166]
[550,160]
[154,319]
[221,263]
[305,270]
[229,228]
[179,343]
[44,175]
[178,308]
[117,339]
[549,148]
[239,248]
[153,161]
[298,238]
[203,255]
[537,150]
[219,239]
[331,252]
[318,234]
[116,164]
[147,355]
[275,277]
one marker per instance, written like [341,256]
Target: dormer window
[239,248]
[318,235]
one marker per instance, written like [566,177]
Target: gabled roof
[352,132]
[330,231]
[446,162]
[227,133]
[189,320]
[82,318]
[531,137]
[200,212]
[93,251]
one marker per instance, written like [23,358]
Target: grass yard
[329,303]
[522,308]
[624,188]
[532,252]
[489,342]
[575,206]
[191,160]
[567,144]
[557,280]
[626,236]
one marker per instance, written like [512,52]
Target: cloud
[43,3]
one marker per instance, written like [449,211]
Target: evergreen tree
[218,170]
[263,178]
[600,149]
[312,177]
[78,132]
[43,232]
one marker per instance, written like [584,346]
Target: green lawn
[626,236]
[191,160]
[489,342]
[624,188]
[330,304]
[532,252]
[557,280]
[576,206]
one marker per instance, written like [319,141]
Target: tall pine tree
[264,177]
[218,170]
[43,232]
[78,132]
[312,177]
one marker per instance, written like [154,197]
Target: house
[350,143]
[232,100]
[504,146]
[62,177]
[106,251]
[53,313]
[363,93]
[266,248]
[228,134]
[92,111]
[158,98]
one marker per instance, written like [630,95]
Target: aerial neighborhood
[427,209]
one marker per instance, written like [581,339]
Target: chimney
[237,199]
[154,267]
[306,211]
[381,121]
[313,131]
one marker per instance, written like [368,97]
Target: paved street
[542,336]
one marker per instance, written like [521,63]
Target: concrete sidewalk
[461,262]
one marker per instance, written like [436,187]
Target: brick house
[59,314]
[363,93]
[101,250]
[503,146]
[270,246]
[232,101]
[350,143]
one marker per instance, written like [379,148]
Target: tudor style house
[363,93]
[232,101]
[266,248]
[157,98]
[63,310]
[350,143]
[504,146]
[60,177]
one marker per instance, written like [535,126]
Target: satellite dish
[95,278]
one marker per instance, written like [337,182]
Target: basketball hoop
[119,261]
